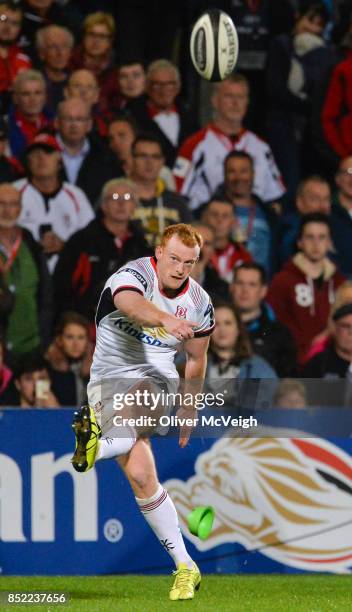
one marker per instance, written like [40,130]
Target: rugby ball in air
[214,45]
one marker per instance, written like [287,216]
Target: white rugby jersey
[67,211]
[123,345]
[199,167]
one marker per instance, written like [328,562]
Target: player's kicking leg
[160,513]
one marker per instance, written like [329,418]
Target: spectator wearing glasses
[158,206]
[41,13]
[96,51]
[54,45]
[84,85]
[160,111]
[94,253]
[88,163]
[341,216]
[27,116]
[12,59]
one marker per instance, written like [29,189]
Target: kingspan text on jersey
[126,327]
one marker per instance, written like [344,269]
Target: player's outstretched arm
[196,355]
[144,313]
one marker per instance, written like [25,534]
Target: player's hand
[186,430]
[179,328]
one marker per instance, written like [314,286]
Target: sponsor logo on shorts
[137,275]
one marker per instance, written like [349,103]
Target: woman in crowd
[231,361]
[230,354]
[70,356]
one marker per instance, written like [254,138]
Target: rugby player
[148,309]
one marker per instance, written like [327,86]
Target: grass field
[270,593]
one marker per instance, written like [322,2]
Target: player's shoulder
[198,295]
[141,268]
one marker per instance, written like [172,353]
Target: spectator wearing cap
[336,359]
[95,252]
[25,281]
[87,161]
[95,53]
[12,59]
[54,45]
[84,85]
[27,116]
[161,111]
[10,168]
[52,210]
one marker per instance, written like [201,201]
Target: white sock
[112,446]
[160,513]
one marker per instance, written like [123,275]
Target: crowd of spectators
[107,136]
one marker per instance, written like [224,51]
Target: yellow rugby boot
[87,432]
[186,582]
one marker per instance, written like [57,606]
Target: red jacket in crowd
[337,110]
[301,303]
[11,66]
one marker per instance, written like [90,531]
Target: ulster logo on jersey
[181,312]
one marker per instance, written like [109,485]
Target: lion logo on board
[291,498]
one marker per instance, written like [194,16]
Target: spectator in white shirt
[52,210]
[199,166]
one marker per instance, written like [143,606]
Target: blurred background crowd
[108,135]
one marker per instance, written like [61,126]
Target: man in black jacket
[88,162]
[92,254]
[269,338]
[161,112]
